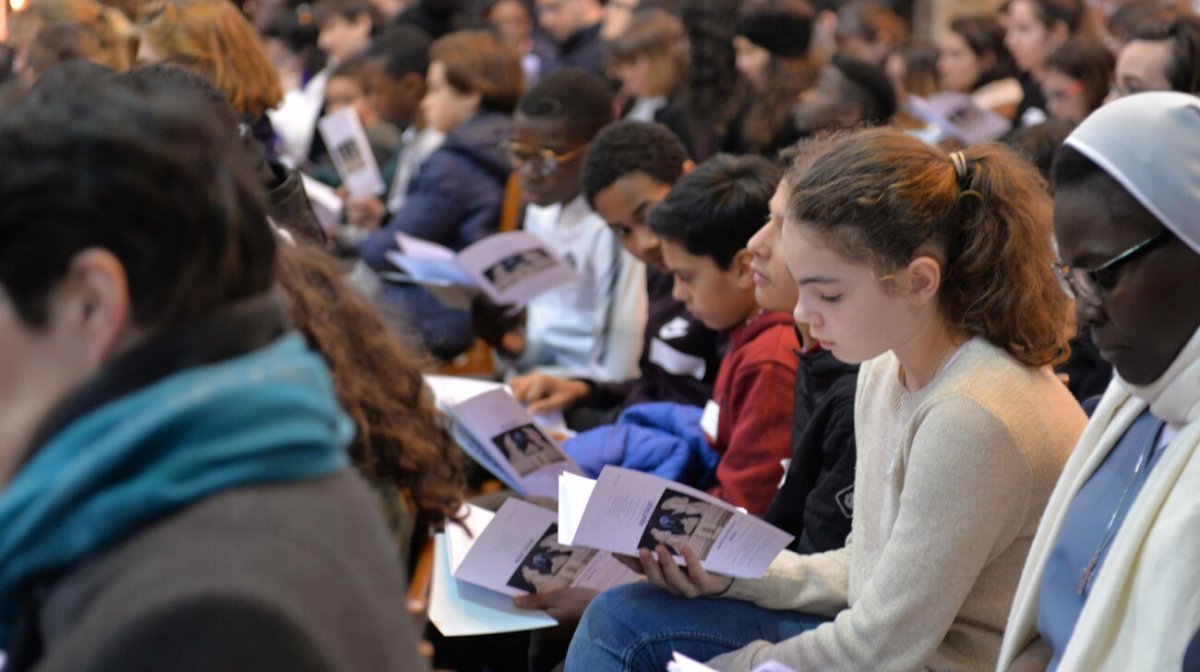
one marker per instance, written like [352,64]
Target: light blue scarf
[265,417]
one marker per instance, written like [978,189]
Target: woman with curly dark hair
[401,446]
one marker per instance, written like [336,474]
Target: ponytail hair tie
[962,170]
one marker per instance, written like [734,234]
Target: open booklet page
[504,438]
[682,663]
[458,608]
[518,553]
[510,268]
[343,134]
[628,510]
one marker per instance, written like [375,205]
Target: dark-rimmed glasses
[542,161]
[1086,284]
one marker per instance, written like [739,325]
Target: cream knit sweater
[949,489]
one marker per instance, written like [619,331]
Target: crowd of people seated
[911,280]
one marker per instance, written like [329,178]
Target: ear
[688,166]
[95,303]
[923,279]
[740,268]
[362,24]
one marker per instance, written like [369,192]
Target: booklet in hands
[497,431]
[509,268]
[518,553]
[626,510]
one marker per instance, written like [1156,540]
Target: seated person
[1110,578]
[629,167]
[815,502]
[151,400]
[347,87]
[590,327]
[961,427]
[455,198]
[704,225]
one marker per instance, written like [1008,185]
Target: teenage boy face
[540,184]
[773,285]
[719,297]
[624,205]
[394,100]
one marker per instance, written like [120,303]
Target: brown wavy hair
[401,437]
[214,37]
[113,33]
[884,198]
[477,61]
[656,35]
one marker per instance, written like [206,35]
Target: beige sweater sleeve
[817,584]
[966,494]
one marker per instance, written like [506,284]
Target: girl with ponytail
[935,272]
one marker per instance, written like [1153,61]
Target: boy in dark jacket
[705,224]
[815,502]
[629,168]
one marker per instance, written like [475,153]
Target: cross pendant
[1087,576]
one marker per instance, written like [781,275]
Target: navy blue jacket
[454,200]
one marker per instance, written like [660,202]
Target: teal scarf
[265,417]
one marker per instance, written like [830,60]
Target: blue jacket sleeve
[659,438]
[432,211]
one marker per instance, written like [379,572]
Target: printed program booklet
[518,553]
[509,268]
[458,608]
[625,510]
[499,434]
[343,134]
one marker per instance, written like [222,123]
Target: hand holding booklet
[510,268]
[625,510]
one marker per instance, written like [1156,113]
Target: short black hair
[869,86]
[714,210]
[628,147]
[575,96]
[350,10]
[146,176]
[403,49]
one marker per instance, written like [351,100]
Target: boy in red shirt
[744,432]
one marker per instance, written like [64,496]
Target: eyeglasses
[542,161]
[1086,284]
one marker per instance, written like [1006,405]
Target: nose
[648,244]
[678,292]
[804,314]
[1087,313]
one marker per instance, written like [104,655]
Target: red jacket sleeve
[755,423]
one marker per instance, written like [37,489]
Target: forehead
[1145,57]
[1022,11]
[541,131]
[630,191]
[677,258]
[1092,221]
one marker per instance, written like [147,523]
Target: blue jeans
[637,626]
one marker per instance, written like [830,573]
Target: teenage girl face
[444,106]
[847,307]
[773,285]
[1065,97]
[958,66]
[636,77]
[1029,39]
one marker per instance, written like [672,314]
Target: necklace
[1111,529]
